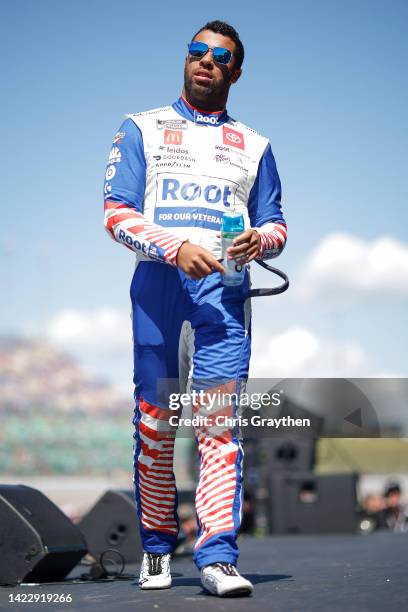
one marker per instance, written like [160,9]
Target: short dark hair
[221,27]
[392,488]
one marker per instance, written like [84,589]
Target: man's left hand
[246,246]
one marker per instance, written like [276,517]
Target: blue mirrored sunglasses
[199,49]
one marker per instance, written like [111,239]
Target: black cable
[103,562]
[273,290]
[99,570]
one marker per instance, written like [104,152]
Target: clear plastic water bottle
[231,226]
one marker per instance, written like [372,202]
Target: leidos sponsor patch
[232,137]
[171,124]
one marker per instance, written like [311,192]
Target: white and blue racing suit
[171,174]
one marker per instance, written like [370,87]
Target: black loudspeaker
[266,456]
[38,543]
[112,523]
[303,502]
[287,448]
[295,454]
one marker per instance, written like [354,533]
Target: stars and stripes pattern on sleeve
[129,227]
[218,485]
[273,239]
[156,487]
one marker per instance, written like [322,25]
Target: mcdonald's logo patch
[173,137]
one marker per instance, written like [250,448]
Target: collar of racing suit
[200,117]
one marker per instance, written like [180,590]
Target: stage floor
[291,574]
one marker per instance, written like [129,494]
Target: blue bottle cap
[232,222]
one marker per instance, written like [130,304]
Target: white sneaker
[223,579]
[155,571]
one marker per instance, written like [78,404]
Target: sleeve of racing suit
[125,182]
[264,207]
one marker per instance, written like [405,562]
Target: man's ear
[235,75]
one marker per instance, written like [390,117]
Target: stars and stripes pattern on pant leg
[273,239]
[155,482]
[129,227]
[218,485]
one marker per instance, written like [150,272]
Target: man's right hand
[196,261]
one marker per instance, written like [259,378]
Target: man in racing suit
[171,174]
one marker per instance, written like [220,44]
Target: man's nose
[207,59]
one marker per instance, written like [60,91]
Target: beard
[195,91]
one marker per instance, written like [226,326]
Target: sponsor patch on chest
[192,200]
[233,138]
[171,124]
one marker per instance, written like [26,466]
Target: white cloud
[100,339]
[346,267]
[299,353]
[104,329]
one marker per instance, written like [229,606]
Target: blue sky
[324,80]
